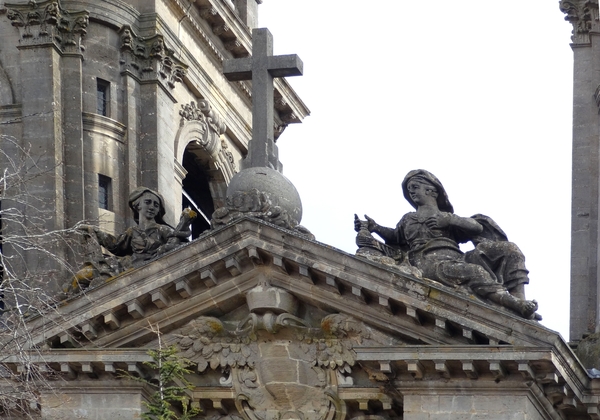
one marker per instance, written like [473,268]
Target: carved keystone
[265,297]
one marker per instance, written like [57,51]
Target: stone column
[152,71]
[72,105]
[248,11]
[131,119]
[50,53]
[585,178]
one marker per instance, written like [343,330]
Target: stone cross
[261,68]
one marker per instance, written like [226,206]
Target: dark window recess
[104,192]
[103,91]
[196,194]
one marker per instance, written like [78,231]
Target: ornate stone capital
[148,58]
[583,15]
[47,22]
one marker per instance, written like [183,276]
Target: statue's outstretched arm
[389,235]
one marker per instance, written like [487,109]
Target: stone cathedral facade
[106,96]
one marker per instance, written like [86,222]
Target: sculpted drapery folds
[428,239]
[149,239]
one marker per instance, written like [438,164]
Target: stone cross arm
[261,68]
[277,66]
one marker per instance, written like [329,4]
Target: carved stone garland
[47,22]
[149,58]
[278,365]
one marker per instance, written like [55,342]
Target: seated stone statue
[428,240]
[151,238]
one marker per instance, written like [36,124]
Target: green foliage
[171,370]
[170,386]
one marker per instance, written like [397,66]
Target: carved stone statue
[428,240]
[148,240]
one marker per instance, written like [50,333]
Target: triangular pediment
[340,325]
[212,276]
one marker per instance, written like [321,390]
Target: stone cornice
[12,113]
[103,125]
[409,369]
[214,272]
[451,339]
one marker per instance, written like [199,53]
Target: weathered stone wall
[93,402]
[470,407]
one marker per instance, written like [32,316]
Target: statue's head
[426,177]
[134,202]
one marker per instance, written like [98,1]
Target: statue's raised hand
[369,224]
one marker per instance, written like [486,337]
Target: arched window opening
[196,192]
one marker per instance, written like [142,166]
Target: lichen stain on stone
[214,325]
[434,293]
[326,325]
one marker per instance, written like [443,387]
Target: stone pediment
[253,307]
[212,275]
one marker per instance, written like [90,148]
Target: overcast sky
[479,93]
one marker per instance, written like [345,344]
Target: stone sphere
[281,191]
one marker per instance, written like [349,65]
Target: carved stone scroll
[203,126]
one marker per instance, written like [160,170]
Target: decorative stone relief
[207,127]
[48,22]
[149,58]
[583,15]
[278,364]
[258,204]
